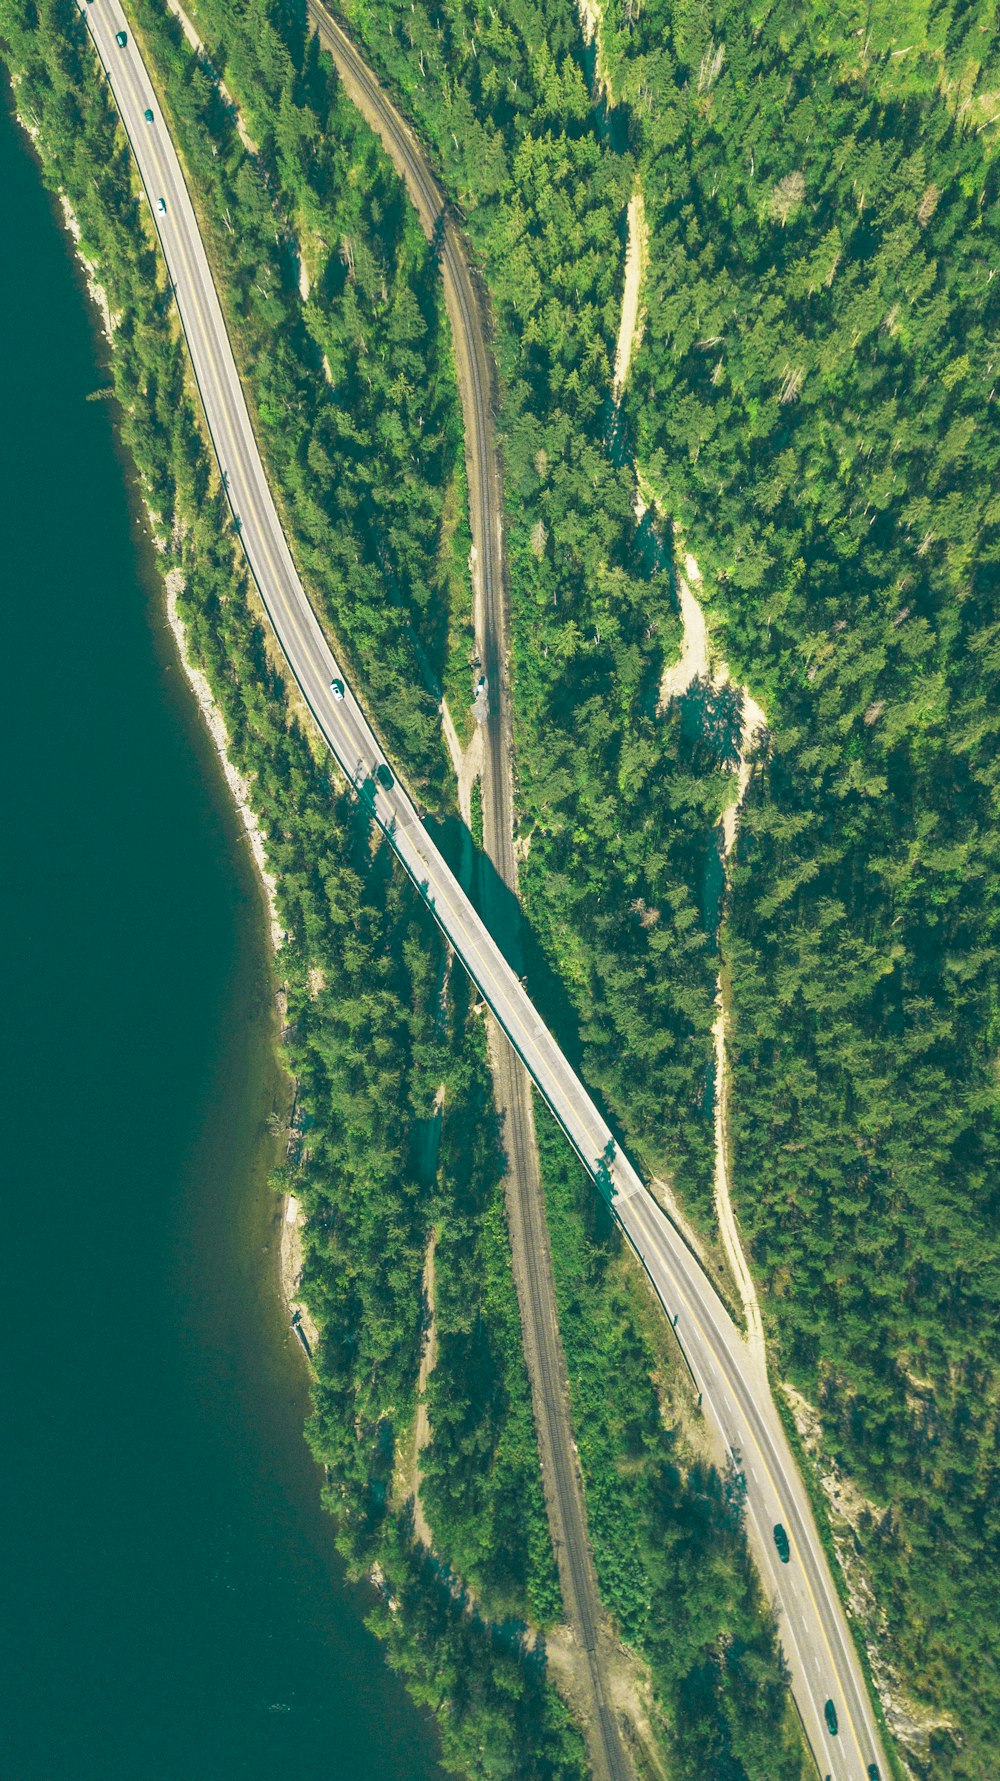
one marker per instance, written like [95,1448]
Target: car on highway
[147,114]
[831,1718]
[161,207]
[121,38]
[337,689]
[666,1258]
[781,1542]
[873,1774]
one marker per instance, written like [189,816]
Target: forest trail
[692,664]
[732,1399]
[194,40]
[467,762]
[591,21]
[422,1427]
[630,326]
[695,664]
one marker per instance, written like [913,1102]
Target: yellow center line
[266,549]
[776,1486]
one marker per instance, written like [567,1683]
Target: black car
[831,1718]
[781,1542]
[384,777]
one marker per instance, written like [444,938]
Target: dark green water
[171,1607]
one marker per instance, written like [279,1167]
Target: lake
[172,1603]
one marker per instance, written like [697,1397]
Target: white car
[337,689]
[161,207]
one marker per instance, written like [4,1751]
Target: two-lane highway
[734,1392]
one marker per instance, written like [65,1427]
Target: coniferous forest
[815,408]
[810,412]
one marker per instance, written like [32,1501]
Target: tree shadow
[514,934]
[517,939]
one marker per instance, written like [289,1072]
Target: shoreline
[239,786]
[290,1274]
[290,1259]
[173,582]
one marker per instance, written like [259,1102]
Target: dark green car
[384,777]
[873,1774]
[781,1542]
[121,38]
[831,1718]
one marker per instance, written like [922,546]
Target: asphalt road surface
[735,1395]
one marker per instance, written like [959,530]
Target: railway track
[526,1215]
